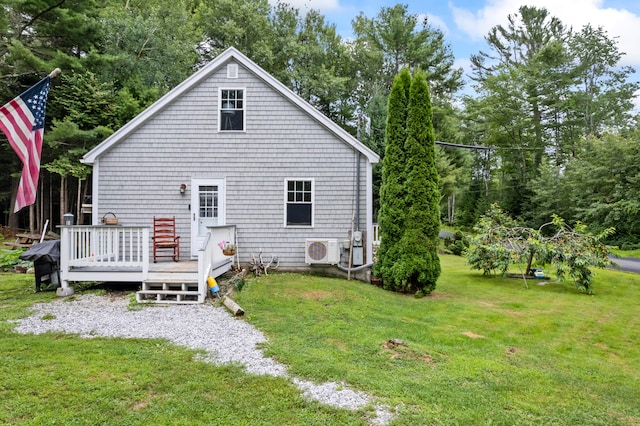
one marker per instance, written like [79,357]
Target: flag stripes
[22,121]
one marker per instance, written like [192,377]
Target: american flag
[22,121]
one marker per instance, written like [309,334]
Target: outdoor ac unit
[323,251]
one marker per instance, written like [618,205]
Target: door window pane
[208,201]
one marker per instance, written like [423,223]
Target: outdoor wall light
[183,188]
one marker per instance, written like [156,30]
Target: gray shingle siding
[140,177]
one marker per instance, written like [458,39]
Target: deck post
[65,241]
[145,253]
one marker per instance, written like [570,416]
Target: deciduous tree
[500,242]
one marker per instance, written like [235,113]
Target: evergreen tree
[391,215]
[418,267]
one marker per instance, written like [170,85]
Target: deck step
[169,292]
[171,302]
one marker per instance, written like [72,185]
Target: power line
[457,145]
[489,148]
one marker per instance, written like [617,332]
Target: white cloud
[435,21]
[619,23]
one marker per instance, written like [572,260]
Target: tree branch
[38,16]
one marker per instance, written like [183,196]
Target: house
[233,151]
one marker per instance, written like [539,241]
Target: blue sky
[466,22]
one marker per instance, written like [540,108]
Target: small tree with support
[500,242]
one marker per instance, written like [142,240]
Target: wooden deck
[121,254]
[183,271]
[171,266]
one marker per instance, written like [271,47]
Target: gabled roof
[203,74]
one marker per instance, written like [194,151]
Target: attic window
[231,109]
[232,70]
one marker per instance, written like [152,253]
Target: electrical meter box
[357,258]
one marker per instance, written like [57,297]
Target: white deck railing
[210,255]
[376,235]
[104,247]
[205,261]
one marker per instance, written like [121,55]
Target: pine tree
[391,215]
[418,266]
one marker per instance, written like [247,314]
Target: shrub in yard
[457,244]
[458,247]
[10,258]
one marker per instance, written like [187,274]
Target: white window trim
[244,109]
[313,202]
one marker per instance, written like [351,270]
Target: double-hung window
[232,104]
[299,202]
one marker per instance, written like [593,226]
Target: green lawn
[480,350]
[625,253]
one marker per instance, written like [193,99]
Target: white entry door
[207,209]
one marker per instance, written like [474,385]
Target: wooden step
[169,292]
[168,285]
[173,292]
[168,296]
[171,302]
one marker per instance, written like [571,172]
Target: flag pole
[55,73]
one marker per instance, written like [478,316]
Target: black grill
[45,257]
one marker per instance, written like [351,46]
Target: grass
[62,379]
[480,350]
[625,253]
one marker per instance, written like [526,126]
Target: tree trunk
[79,202]
[528,271]
[85,189]
[63,197]
[32,219]
[40,203]
[451,209]
[14,219]
[50,211]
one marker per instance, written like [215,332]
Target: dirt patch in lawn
[473,335]
[512,350]
[437,296]
[316,295]
[398,349]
